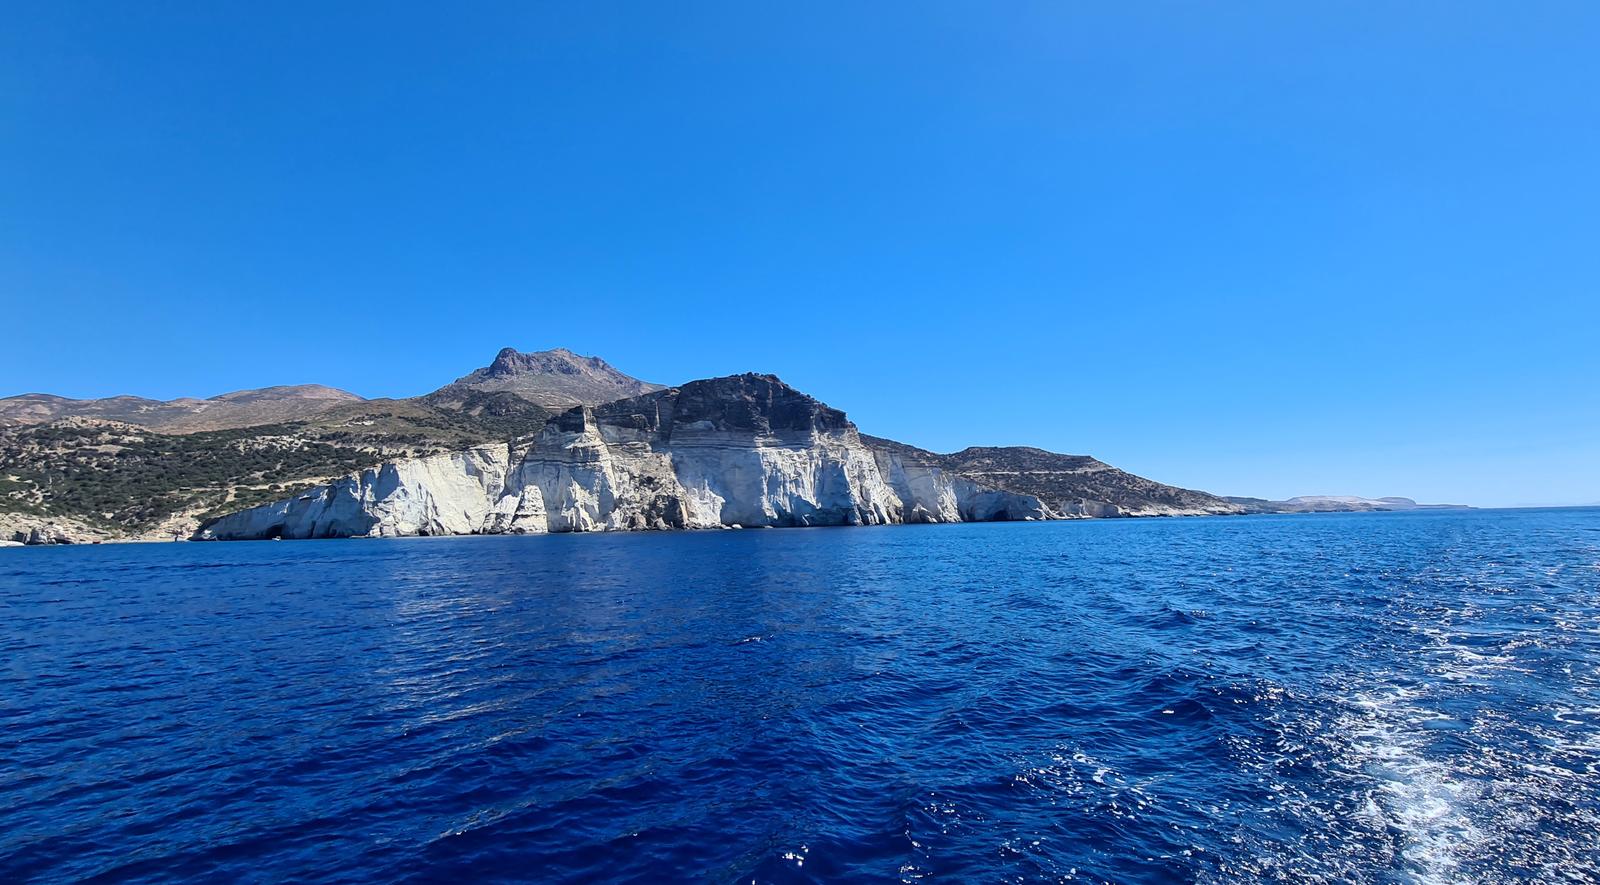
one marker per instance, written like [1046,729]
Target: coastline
[104,541]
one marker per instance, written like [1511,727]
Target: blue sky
[1254,248]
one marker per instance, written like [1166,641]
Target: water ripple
[1367,698]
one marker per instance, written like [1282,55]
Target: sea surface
[1409,697]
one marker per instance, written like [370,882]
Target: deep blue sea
[1333,698]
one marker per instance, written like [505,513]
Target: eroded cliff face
[747,450]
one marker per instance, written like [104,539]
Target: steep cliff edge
[745,450]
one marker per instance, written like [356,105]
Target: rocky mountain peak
[560,361]
[555,379]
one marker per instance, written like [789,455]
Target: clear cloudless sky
[1254,248]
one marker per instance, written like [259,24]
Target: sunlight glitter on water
[1391,698]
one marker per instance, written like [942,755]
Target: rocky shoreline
[530,444]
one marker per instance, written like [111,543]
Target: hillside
[513,385]
[99,479]
[1071,485]
[242,408]
[126,467]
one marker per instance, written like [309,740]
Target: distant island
[531,443]
[1337,504]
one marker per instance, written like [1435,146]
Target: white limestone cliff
[746,450]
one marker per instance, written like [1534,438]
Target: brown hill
[241,408]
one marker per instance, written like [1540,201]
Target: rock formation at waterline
[746,450]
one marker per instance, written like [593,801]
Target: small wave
[1422,798]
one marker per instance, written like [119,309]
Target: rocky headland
[741,451]
[531,443]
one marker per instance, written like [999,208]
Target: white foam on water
[1422,798]
[1457,811]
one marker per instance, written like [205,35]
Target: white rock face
[452,494]
[745,451]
